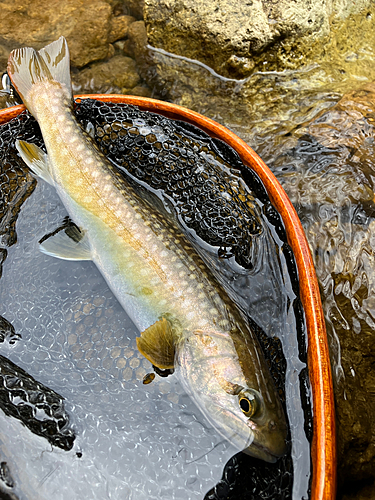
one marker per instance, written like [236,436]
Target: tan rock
[135,8]
[140,90]
[119,27]
[138,38]
[213,32]
[136,46]
[118,74]
[85,24]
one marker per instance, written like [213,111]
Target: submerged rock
[120,27]
[117,75]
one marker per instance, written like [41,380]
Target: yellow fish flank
[187,319]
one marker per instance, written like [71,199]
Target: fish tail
[27,67]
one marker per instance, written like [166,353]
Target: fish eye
[249,403]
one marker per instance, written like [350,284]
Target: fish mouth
[247,438]
[243,437]
[267,447]
[258,451]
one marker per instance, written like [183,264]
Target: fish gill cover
[218,202]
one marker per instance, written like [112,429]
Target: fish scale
[197,173]
[111,200]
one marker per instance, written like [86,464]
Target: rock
[366,492]
[119,27]
[126,47]
[267,95]
[111,51]
[136,46]
[96,32]
[135,8]
[138,40]
[211,32]
[230,36]
[118,74]
[87,25]
[141,90]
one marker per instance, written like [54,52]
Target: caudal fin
[26,67]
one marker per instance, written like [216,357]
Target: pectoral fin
[36,159]
[68,244]
[157,344]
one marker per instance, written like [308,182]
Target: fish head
[241,403]
[261,428]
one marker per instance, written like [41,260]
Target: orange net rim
[324,460]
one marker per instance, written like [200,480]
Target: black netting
[16,183]
[39,408]
[7,332]
[189,167]
[213,194]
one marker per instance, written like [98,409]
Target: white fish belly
[117,264]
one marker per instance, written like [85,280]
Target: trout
[186,318]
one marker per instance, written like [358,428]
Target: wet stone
[117,75]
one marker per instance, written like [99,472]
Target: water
[136,441]
[314,127]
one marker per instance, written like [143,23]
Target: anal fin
[157,344]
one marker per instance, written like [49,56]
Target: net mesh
[221,204]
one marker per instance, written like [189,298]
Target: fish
[187,320]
